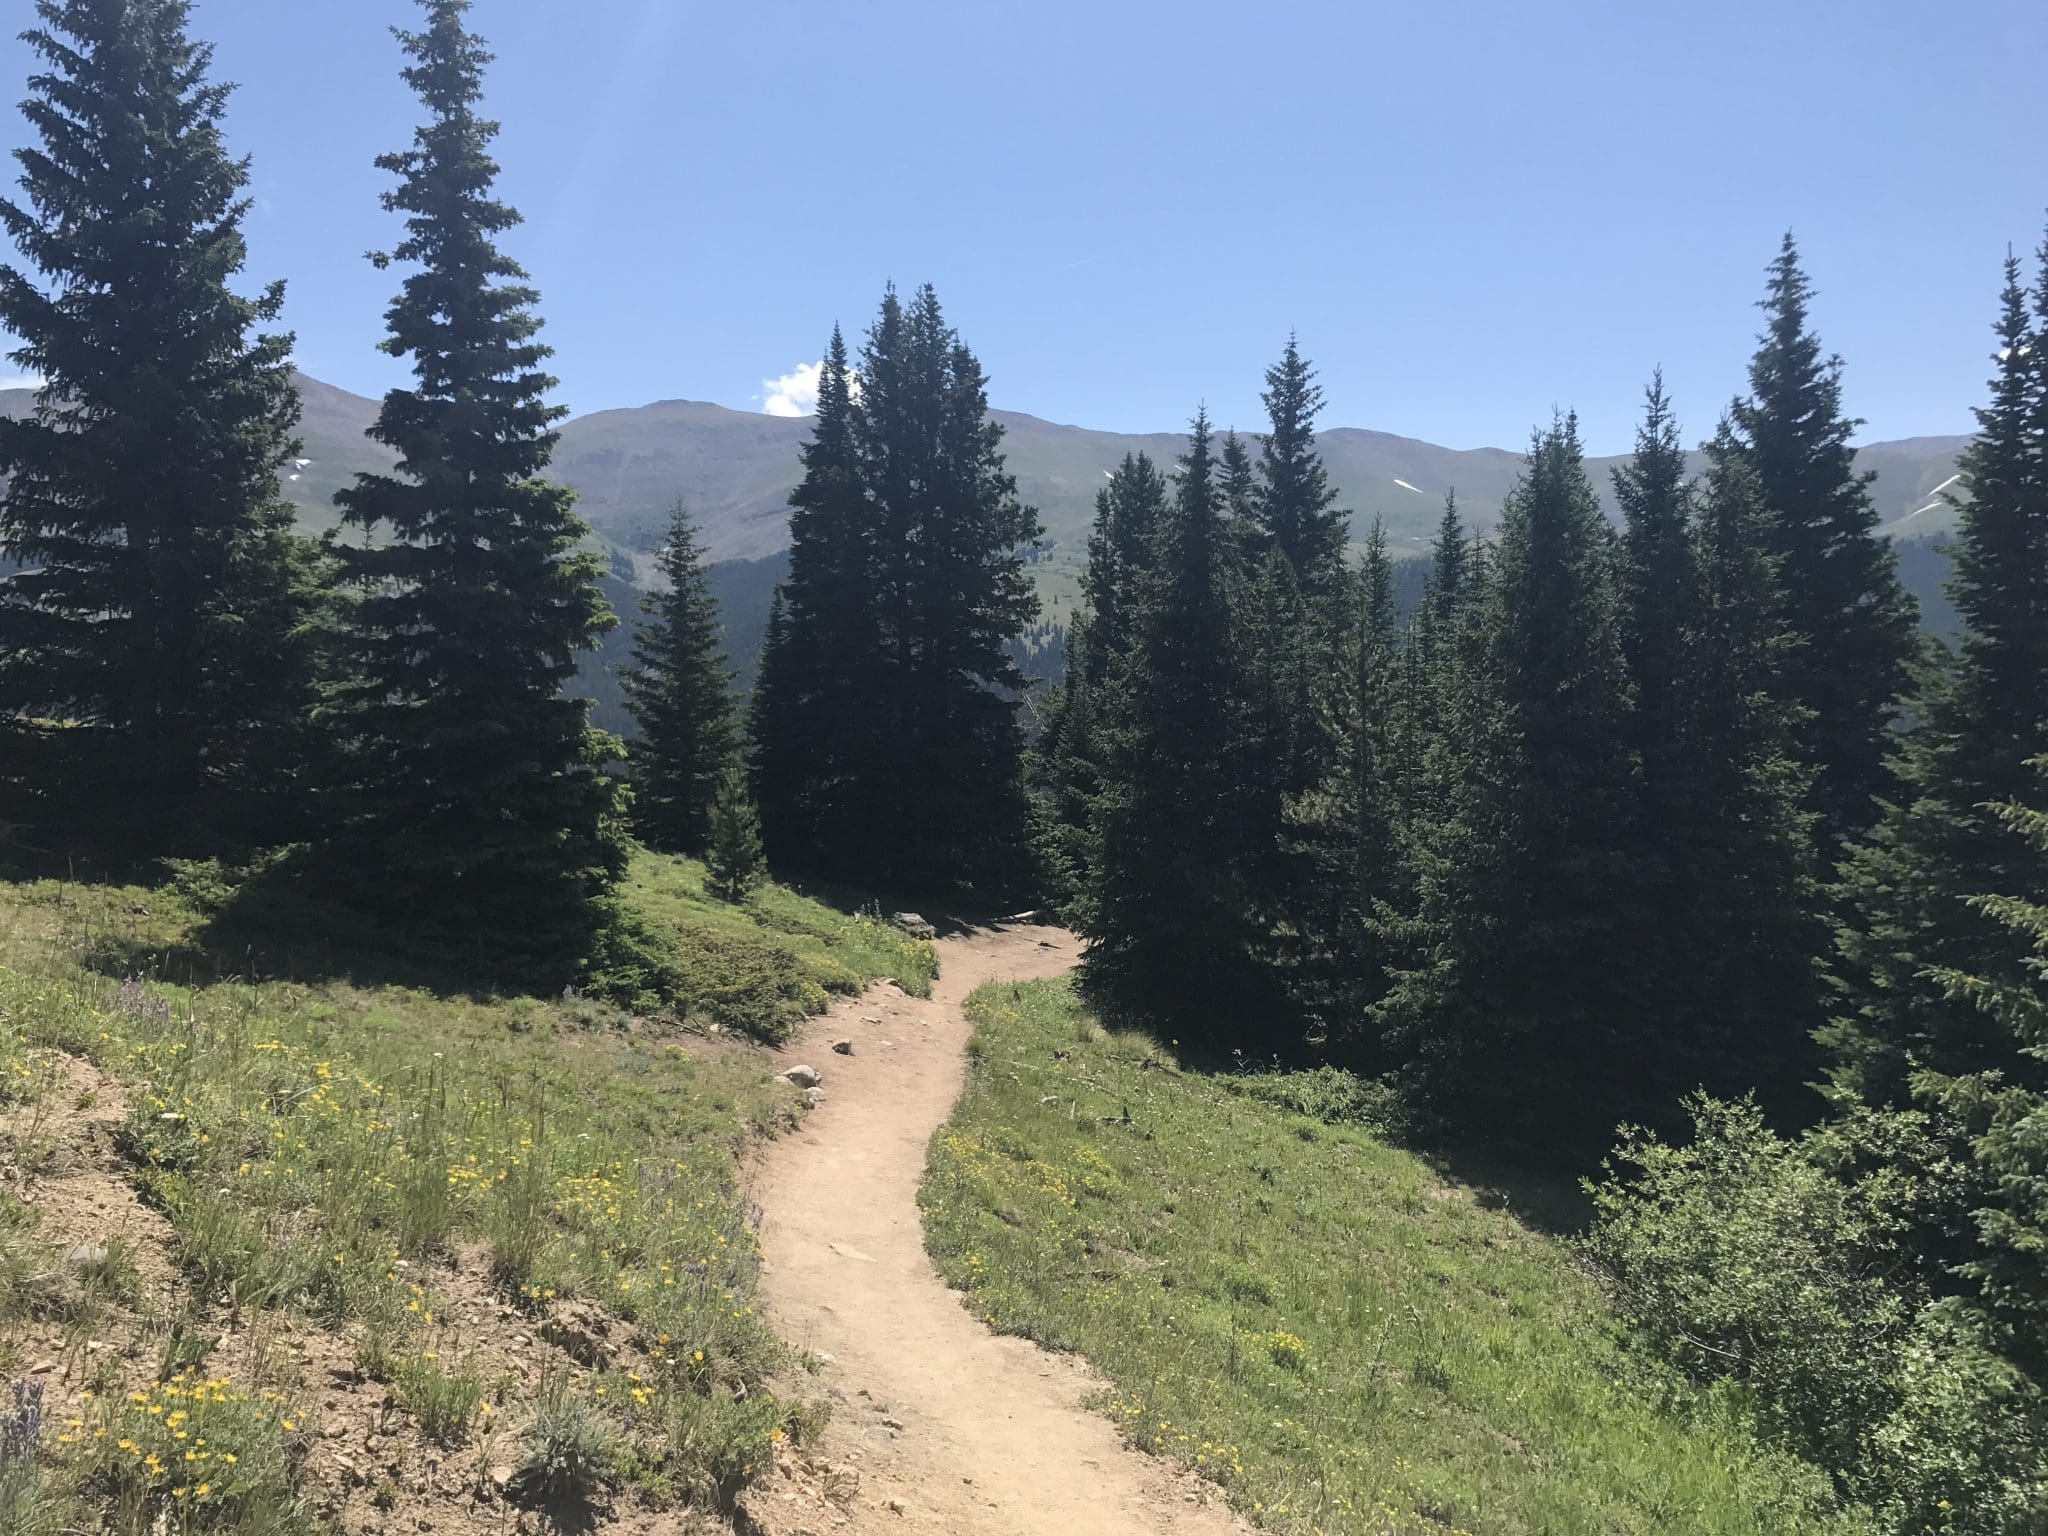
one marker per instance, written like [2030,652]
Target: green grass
[1317,1320]
[341,1155]
[759,967]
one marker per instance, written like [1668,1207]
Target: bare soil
[937,1425]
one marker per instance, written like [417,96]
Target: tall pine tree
[155,659]
[679,689]
[1913,890]
[477,809]
[1128,511]
[1167,914]
[907,585]
[1852,618]
[1517,1009]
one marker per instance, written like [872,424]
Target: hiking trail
[938,1425]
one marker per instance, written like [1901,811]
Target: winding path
[937,1424]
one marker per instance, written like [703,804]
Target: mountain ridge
[736,468]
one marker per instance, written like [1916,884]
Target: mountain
[736,469]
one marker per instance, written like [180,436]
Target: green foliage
[156,615]
[1844,604]
[734,861]
[886,733]
[673,945]
[1341,1337]
[1514,1010]
[475,798]
[568,1453]
[444,1402]
[1777,1264]
[1168,914]
[680,692]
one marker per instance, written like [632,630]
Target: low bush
[1744,1257]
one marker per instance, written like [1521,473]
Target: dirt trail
[948,1427]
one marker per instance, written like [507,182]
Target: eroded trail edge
[937,1424]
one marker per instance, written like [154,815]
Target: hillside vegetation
[1343,1336]
[296,1254]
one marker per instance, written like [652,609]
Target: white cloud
[20,381]
[794,394]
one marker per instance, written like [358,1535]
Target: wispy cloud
[793,394]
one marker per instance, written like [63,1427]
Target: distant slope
[736,469]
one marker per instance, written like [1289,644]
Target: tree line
[394,706]
[1676,826]
[1673,825]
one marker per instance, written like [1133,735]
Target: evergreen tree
[1348,833]
[907,587]
[1167,915]
[2000,1109]
[1736,896]
[1655,576]
[1296,508]
[813,706]
[733,859]
[1517,1007]
[1914,889]
[1853,620]
[680,692]
[156,663]
[1128,511]
[476,807]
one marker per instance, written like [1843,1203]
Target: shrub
[446,1405]
[1780,1264]
[567,1453]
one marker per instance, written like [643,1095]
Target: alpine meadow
[885,964]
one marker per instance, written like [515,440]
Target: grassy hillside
[285,1255]
[1346,1339]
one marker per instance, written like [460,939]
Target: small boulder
[814,1097]
[914,925]
[843,1047]
[803,1077]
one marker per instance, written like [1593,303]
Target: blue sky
[1471,213]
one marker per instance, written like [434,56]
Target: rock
[895,1506]
[814,1096]
[843,1047]
[85,1256]
[892,1423]
[501,1474]
[803,1077]
[914,925]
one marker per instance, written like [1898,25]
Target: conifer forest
[1641,839]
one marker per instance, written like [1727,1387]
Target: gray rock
[914,925]
[85,1256]
[814,1096]
[803,1077]
[843,1047]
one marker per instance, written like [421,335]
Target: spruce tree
[734,862]
[1348,833]
[1128,511]
[814,695]
[1853,620]
[1999,1109]
[679,689]
[1913,891]
[907,587]
[476,809]
[1516,1007]
[1167,913]
[155,656]
[1296,507]
[1735,895]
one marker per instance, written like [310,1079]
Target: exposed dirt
[937,1424]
